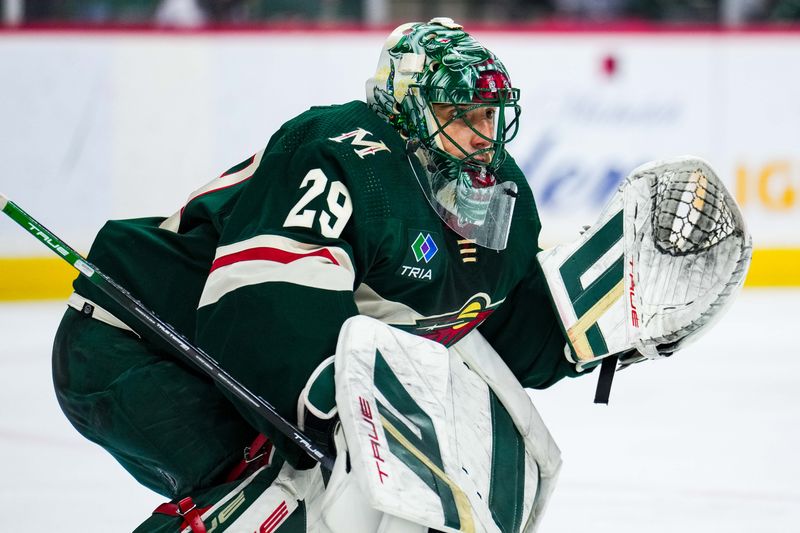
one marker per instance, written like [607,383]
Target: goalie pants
[166,424]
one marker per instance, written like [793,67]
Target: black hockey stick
[149,320]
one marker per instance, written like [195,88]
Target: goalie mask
[451,98]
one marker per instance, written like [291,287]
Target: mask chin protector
[473,204]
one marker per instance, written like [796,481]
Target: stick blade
[3,201]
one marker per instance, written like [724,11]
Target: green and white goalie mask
[434,79]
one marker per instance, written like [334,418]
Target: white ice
[705,442]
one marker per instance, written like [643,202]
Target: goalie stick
[148,319]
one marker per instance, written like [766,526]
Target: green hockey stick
[149,320]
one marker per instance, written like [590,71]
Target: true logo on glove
[631,296]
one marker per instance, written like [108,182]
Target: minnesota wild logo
[449,328]
[357,138]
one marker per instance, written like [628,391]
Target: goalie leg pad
[431,442]
[344,506]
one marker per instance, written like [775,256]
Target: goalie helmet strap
[604,380]
[188,510]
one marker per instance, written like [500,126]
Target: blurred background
[140,102]
[251,12]
[121,108]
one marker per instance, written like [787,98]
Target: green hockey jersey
[262,265]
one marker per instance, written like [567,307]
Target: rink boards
[105,124]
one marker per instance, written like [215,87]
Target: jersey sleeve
[281,282]
[525,333]
[524,330]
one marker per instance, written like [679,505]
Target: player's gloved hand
[666,257]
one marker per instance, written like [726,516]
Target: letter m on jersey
[357,139]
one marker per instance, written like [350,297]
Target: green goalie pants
[166,424]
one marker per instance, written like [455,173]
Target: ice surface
[705,442]
[52,478]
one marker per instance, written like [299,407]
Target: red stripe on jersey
[243,166]
[269,254]
[274,520]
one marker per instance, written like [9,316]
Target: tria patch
[416,272]
[357,139]
[424,247]
[422,261]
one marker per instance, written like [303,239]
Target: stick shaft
[149,320]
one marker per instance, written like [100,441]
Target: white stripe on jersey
[172,223]
[273,258]
[224,181]
[231,179]
[373,305]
